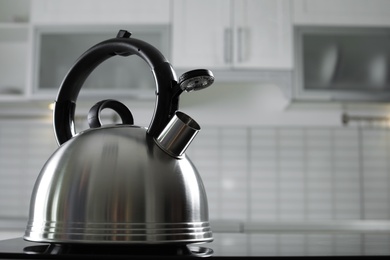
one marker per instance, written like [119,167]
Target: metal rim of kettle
[165,78]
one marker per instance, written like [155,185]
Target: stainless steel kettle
[122,183]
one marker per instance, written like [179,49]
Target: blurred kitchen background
[294,149]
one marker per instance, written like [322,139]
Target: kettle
[121,183]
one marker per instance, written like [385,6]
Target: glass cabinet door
[344,63]
[57,49]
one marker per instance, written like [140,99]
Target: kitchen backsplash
[251,174]
[295,173]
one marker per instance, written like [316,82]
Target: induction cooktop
[18,248]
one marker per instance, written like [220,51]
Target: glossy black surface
[18,248]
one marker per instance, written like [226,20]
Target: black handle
[123,112]
[165,78]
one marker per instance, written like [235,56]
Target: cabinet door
[116,77]
[262,34]
[100,11]
[14,46]
[342,12]
[201,34]
[13,62]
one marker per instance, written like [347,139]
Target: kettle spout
[178,134]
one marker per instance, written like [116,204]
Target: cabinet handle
[242,38]
[227,35]
[239,44]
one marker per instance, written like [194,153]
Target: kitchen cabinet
[33,32]
[93,21]
[100,11]
[219,34]
[14,43]
[116,77]
[341,50]
[341,12]
[342,63]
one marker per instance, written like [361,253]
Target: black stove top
[18,248]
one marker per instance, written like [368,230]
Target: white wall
[250,104]
[257,104]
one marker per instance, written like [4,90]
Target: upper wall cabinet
[336,63]
[100,12]
[14,42]
[41,39]
[342,12]
[220,34]
[56,48]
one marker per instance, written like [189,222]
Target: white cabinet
[220,34]
[74,26]
[342,63]
[100,11]
[341,50]
[41,39]
[263,34]
[56,48]
[14,43]
[341,12]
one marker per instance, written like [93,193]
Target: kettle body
[122,183]
[107,186]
